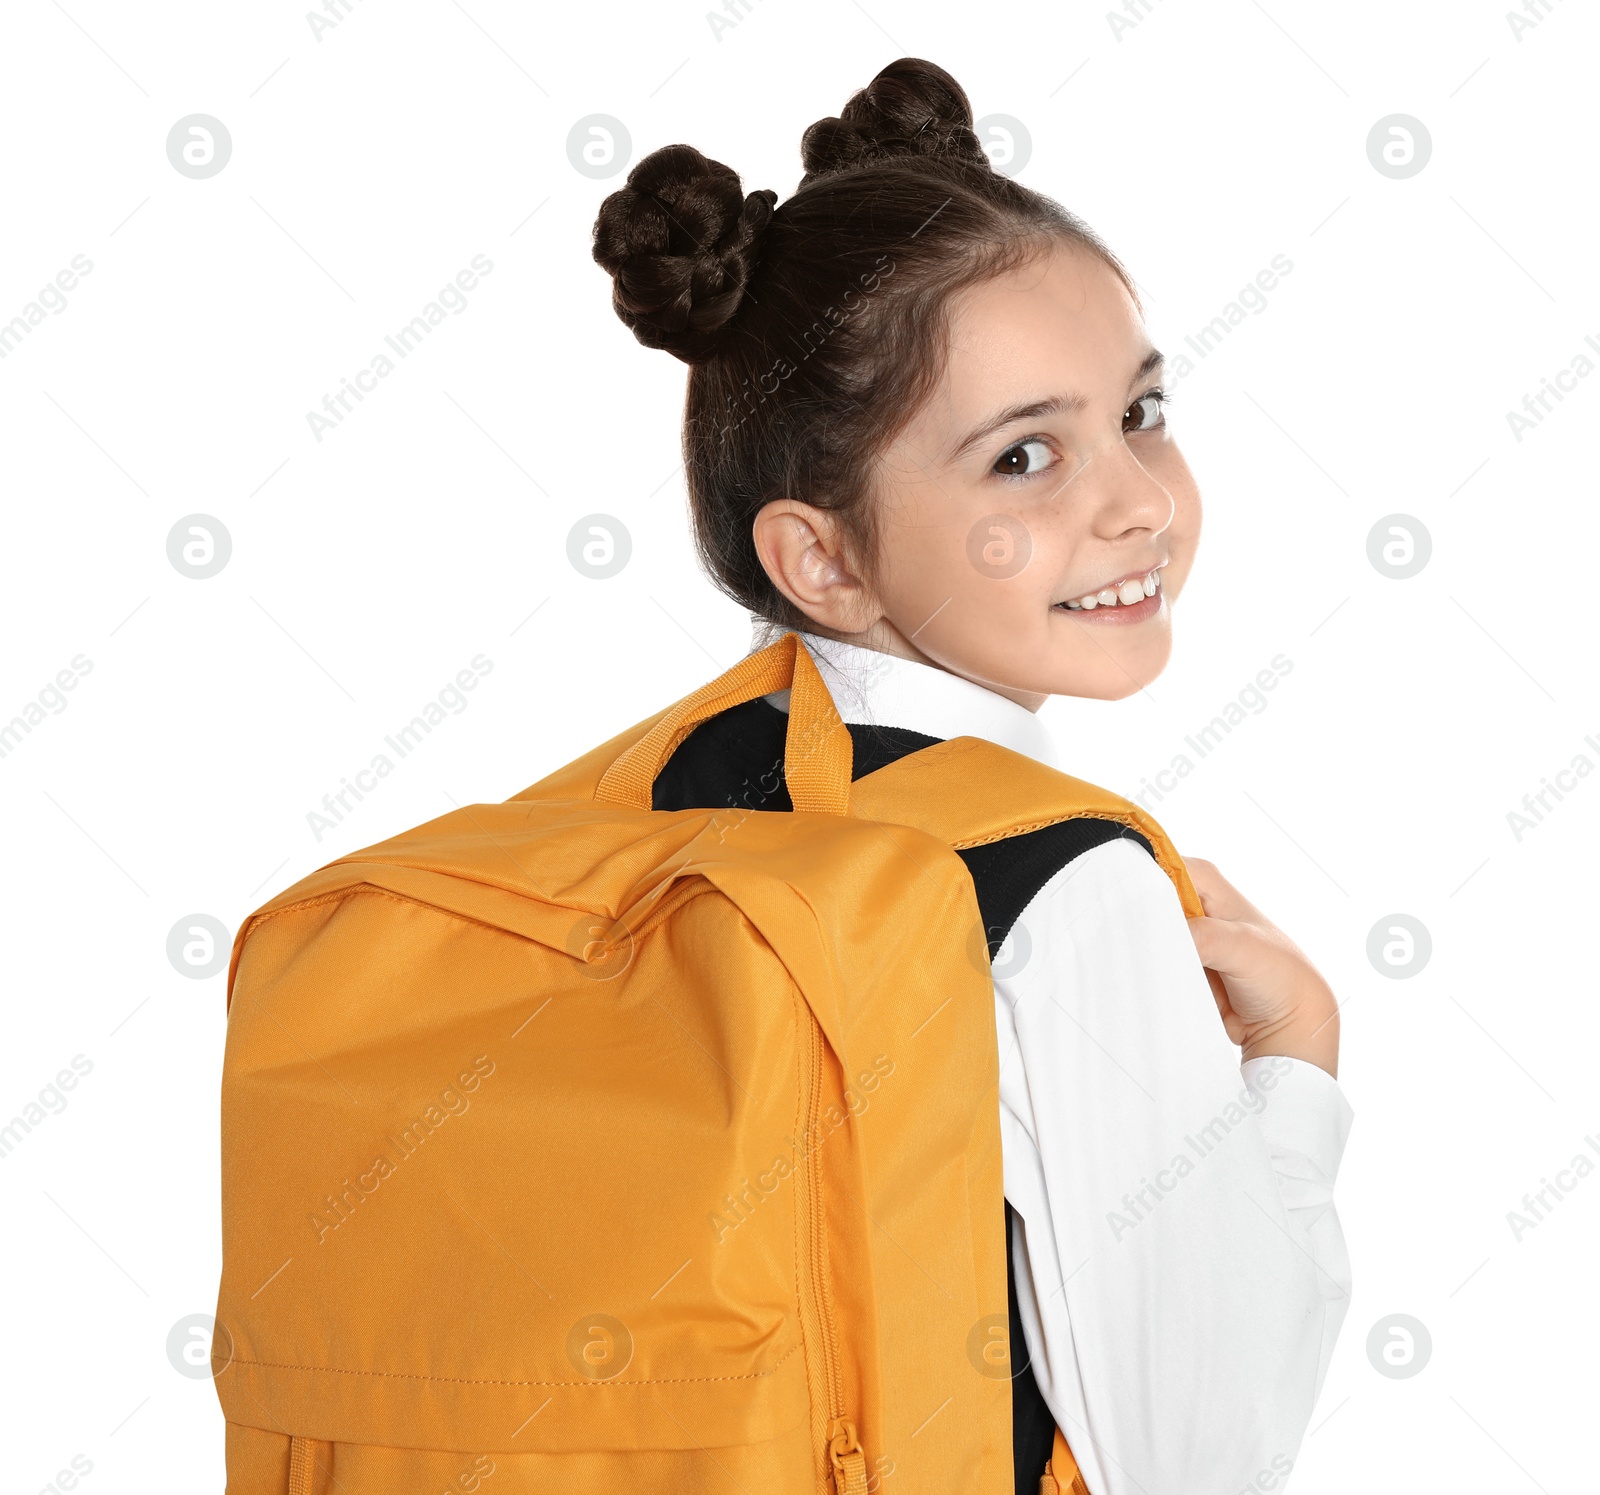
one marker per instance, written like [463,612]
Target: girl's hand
[1271,998]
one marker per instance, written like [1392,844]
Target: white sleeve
[1180,1268]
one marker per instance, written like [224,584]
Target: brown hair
[814,330]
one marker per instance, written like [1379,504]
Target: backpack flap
[458,1123]
[542,1142]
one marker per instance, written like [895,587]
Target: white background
[370,166]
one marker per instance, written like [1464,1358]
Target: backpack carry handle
[817,753]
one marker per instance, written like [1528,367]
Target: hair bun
[680,241]
[912,108]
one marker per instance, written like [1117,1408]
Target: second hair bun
[912,108]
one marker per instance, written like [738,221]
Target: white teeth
[1124,594]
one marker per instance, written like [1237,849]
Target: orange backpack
[569,1145]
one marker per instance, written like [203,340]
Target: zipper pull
[848,1457]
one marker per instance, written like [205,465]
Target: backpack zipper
[845,1454]
[849,1459]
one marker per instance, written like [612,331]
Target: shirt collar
[871,687]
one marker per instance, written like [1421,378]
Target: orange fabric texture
[573,1145]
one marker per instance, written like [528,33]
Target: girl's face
[1036,518]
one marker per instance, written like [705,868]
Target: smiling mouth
[1129,592]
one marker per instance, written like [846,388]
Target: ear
[804,552]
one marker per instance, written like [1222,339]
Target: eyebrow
[1053,405]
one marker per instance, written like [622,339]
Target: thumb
[1206,942]
[1222,943]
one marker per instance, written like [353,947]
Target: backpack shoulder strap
[964,791]
[967,791]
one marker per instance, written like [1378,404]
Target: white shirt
[1180,1268]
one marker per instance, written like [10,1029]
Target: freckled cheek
[921,560]
[926,539]
[1055,545]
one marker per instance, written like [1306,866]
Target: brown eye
[1147,413]
[1023,459]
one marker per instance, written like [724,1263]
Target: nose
[1118,495]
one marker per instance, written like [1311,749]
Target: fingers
[1231,1021]
[1224,945]
[1218,897]
[1224,1006]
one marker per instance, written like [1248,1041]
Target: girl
[924,427]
